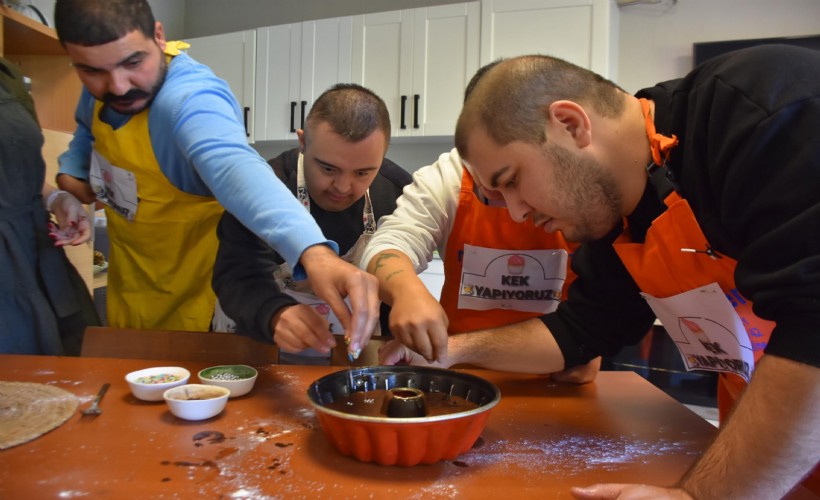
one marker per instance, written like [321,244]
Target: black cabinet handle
[247,111]
[403,102]
[416,98]
[304,105]
[292,115]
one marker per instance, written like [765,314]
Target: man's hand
[419,322]
[333,279]
[628,492]
[582,374]
[72,226]
[416,317]
[299,327]
[396,353]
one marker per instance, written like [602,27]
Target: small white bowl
[239,379]
[148,384]
[196,401]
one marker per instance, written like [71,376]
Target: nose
[519,210]
[118,83]
[343,184]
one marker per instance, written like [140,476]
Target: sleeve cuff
[299,273]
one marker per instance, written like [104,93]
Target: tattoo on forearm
[399,271]
[382,258]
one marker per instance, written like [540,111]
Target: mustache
[131,95]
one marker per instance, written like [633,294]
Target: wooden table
[541,439]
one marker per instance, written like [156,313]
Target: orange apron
[489,227]
[676,258]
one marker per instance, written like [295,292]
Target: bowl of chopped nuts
[149,384]
[238,379]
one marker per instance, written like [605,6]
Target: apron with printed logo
[498,271]
[692,290]
[163,240]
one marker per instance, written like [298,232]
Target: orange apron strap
[660,144]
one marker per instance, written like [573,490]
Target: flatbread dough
[29,410]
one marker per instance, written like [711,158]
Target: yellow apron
[162,262]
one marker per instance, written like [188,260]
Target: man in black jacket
[340,175]
[718,176]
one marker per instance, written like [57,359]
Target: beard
[116,102]
[585,191]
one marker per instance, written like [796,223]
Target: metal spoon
[94,409]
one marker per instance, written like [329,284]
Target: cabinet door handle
[416,98]
[247,112]
[304,105]
[292,115]
[403,103]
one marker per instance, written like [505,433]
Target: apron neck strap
[659,175]
[660,144]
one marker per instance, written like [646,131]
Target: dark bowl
[402,440]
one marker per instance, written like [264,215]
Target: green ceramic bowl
[238,379]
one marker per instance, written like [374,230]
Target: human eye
[133,63]
[512,182]
[88,71]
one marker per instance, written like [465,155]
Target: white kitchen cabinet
[295,64]
[583,32]
[419,61]
[232,57]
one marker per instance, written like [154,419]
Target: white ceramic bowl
[239,379]
[196,401]
[149,384]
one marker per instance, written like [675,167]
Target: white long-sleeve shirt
[424,214]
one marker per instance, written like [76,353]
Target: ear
[301,135]
[159,35]
[570,118]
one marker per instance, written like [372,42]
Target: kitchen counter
[541,439]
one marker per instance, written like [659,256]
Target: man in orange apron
[498,274]
[720,186]
[160,140]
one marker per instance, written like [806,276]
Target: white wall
[656,40]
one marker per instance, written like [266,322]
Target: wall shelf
[34,47]
[23,35]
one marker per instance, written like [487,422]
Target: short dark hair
[509,100]
[477,76]
[351,110]
[96,22]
